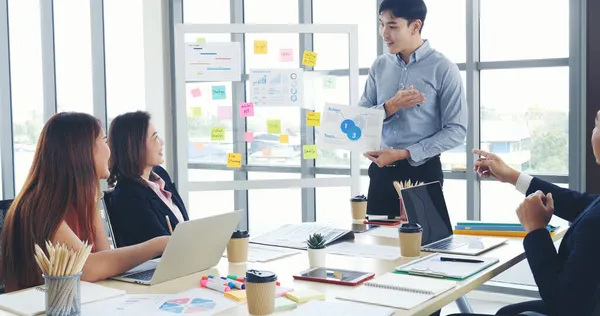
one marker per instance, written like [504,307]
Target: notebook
[398,290]
[433,266]
[340,308]
[33,301]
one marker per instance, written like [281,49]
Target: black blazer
[138,214]
[569,280]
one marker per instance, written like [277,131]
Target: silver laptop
[195,245]
[425,205]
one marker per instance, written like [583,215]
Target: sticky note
[196,111]
[234,160]
[286,55]
[246,109]
[200,40]
[198,146]
[310,151]
[309,58]
[218,93]
[217,133]
[196,92]
[260,47]
[274,126]
[313,119]
[239,295]
[224,112]
[329,82]
[248,137]
[284,138]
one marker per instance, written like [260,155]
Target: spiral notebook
[398,290]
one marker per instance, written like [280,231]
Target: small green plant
[316,241]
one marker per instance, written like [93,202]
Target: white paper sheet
[277,87]
[350,127]
[213,61]
[262,253]
[339,308]
[365,251]
[383,232]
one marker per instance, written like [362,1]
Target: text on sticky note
[284,138]
[218,93]
[224,112]
[309,58]
[248,137]
[313,119]
[274,126]
[234,160]
[260,47]
[196,111]
[309,151]
[246,109]
[286,55]
[217,133]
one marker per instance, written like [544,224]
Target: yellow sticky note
[309,58]
[217,133]
[234,160]
[200,40]
[196,111]
[260,47]
[284,138]
[274,126]
[310,151]
[313,119]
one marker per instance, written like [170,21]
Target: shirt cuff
[523,183]
[417,153]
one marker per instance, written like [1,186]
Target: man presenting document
[422,95]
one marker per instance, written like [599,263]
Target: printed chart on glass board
[213,61]
[276,87]
[350,127]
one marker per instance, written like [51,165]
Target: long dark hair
[62,182]
[127,141]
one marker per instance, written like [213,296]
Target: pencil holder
[63,295]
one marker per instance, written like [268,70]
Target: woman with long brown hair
[59,201]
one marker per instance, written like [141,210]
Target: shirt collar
[421,52]
[159,182]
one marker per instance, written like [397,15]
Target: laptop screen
[426,206]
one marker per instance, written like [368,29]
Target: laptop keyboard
[142,276]
[450,243]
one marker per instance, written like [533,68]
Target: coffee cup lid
[410,228]
[256,276]
[358,198]
[240,234]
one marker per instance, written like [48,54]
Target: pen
[214,285]
[169,224]
[461,260]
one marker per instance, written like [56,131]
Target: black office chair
[4,206]
[106,210]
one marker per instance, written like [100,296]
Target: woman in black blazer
[144,200]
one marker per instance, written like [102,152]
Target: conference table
[509,255]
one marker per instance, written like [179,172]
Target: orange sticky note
[284,138]
[198,146]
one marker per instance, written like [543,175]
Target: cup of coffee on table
[410,235]
[260,292]
[359,207]
[237,249]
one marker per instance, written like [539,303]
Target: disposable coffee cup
[260,292]
[410,239]
[237,249]
[359,207]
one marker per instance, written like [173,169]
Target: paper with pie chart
[195,302]
[276,87]
[350,127]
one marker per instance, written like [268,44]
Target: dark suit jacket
[568,281]
[138,214]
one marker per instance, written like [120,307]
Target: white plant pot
[317,257]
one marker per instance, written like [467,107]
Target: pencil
[169,224]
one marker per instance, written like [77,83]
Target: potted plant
[316,250]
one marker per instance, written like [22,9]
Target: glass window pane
[72,36]
[333,203]
[26,82]
[455,194]
[523,123]
[208,203]
[445,27]
[539,35]
[206,11]
[456,158]
[124,54]
[333,48]
[273,208]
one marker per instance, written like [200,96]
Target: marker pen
[214,285]
[236,284]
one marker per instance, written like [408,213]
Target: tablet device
[383,222]
[334,276]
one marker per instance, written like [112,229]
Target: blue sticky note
[218,93]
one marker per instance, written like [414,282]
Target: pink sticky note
[246,109]
[196,93]
[224,112]
[248,137]
[286,55]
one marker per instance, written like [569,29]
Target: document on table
[295,235]
[365,251]
[350,127]
[262,253]
[339,308]
[383,232]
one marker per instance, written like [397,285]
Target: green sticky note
[217,133]
[196,111]
[274,126]
[309,151]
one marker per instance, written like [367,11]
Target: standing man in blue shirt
[425,106]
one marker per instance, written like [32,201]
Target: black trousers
[516,309]
[383,198]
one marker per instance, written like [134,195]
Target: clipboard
[433,266]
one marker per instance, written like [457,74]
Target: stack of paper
[262,253]
[295,235]
[365,251]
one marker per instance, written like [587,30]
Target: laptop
[425,205]
[195,245]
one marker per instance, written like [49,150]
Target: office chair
[106,206]
[4,206]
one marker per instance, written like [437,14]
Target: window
[124,54]
[333,48]
[455,159]
[455,194]
[206,11]
[26,83]
[208,203]
[517,108]
[539,35]
[445,27]
[333,203]
[269,209]
[73,56]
